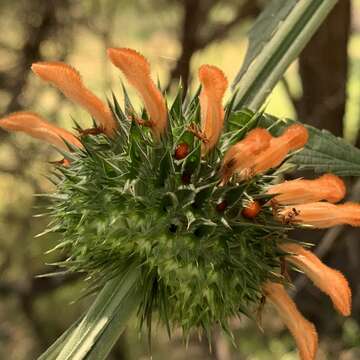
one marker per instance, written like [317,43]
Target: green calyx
[133,201]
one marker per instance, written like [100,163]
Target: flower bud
[181,151]
[251,210]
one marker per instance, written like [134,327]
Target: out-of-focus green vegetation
[33,313]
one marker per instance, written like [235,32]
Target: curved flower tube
[321,214]
[293,138]
[239,157]
[328,187]
[302,330]
[330,281]
[35,126]
[69,82]
[214,84]
[137,72]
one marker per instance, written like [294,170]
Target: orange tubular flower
[33,125]
[137,72]
[330,281]
[69,82]
[293,138]
[302,330]
[240,156]
[322,214]
[214,84]
[328,187]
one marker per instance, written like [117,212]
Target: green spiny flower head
[161,204]
[190,194]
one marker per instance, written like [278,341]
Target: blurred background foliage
[321,88]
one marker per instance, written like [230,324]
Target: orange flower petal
[302,330]
[296,136]
[322,214]
[293,138]
[214,84]
[240,156]
[330,281]
[69,82]
[300,191]
[137,71]
[33,125]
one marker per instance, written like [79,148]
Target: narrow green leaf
[53,351]
[104,322]
[276,39]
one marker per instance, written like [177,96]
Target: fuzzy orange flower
[293,138]
[321,214]
[330,281]
[69,82]
[35,126]
[328,187]
[302,330]
[137,71]
[214,84]
[239,157]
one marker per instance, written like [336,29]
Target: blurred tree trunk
[40,20]
[323,67]
[198,32]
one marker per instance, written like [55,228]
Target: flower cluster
[208,229]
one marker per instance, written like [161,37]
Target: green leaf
[53,351]
[276,39]
[328,153]
[104,322]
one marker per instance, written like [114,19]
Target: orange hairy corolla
[330,281]
[214,84]
[302,330]
[35,126]
[137,72]
[69,82]
[239,157]
[328,187]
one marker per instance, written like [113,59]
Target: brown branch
[249,9]
[195,21]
